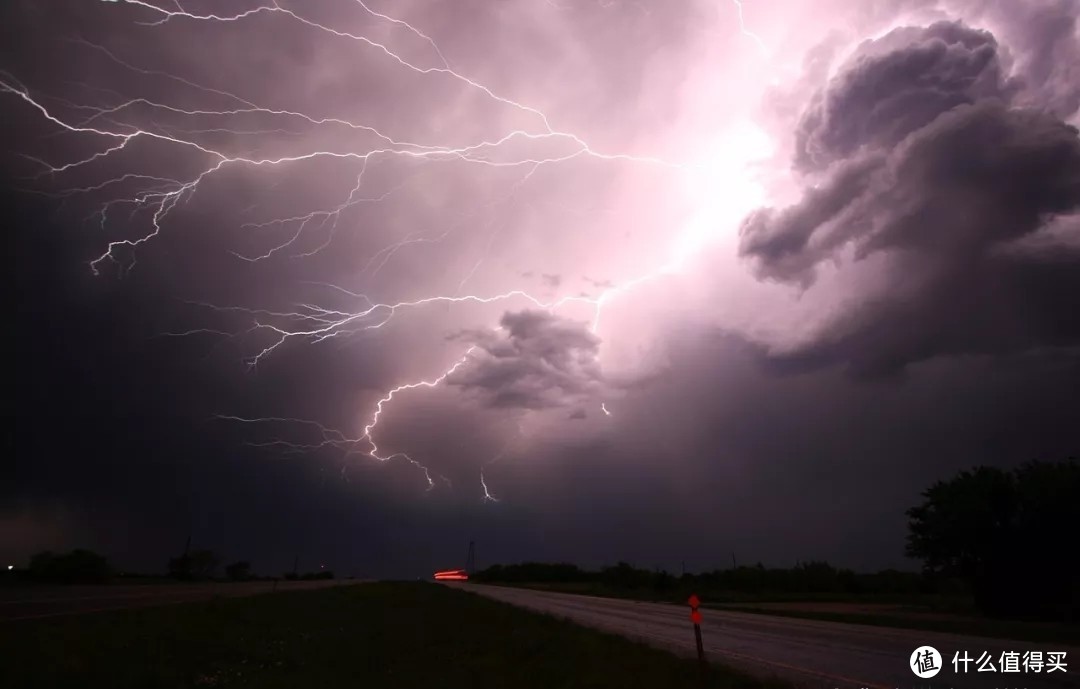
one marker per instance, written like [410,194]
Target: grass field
[930,613]
[398,635]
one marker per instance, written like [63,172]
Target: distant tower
[470,559]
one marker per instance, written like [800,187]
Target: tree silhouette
[77,567]
[1007,534]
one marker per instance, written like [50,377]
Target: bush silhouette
[76,567]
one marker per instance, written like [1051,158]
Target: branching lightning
[157,196]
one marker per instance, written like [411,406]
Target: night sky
[360,282]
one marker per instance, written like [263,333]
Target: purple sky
[590,280]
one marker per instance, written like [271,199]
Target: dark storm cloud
[535,361]
[750,457]
[115,444]
[781,238]
[927,163]
[1044,35]
[897,85]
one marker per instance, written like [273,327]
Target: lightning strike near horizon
[119,124]
[488,497]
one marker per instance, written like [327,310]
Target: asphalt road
[808,653]
[33,602]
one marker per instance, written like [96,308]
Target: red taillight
[452,575]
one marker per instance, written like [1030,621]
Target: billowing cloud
[923,159]
[1045,38]
[536,360]
[897,85]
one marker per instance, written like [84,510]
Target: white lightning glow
[488,497]
[722,189]
[721,167]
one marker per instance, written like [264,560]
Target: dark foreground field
[396,635]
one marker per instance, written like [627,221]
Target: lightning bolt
[368,429]
[113,125]
[488,497]
[747,32]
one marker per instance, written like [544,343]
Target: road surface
[34,602]
[809,653]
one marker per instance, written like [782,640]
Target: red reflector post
[695,617]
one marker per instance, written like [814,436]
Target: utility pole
[733,565]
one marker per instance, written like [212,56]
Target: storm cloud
[536,360]
[896,85]
[362,266]
[923,159]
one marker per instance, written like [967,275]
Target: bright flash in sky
[723,185]
[490,227]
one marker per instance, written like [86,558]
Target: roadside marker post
[695,617]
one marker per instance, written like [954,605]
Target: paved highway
[809,653]
[32,602]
